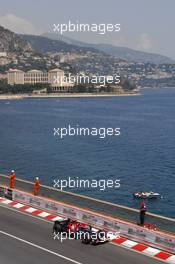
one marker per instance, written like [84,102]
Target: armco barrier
[106,208]
[158,239]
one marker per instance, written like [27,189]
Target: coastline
[63,95]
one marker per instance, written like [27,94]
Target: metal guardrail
[109,209]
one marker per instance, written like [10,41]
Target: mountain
[11,42]
[134,55]
[37,52]
[123,53]
[66,39]
[44,44]
[50,42]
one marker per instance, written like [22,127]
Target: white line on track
[39,247]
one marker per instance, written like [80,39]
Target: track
[26,239]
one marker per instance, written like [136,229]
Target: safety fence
[107,209]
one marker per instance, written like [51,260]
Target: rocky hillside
[44,44]
[20,53]
[11,42]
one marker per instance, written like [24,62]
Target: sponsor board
[6,192]
[140,234]
[166,241]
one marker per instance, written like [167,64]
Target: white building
[55,78]
[15,76]
[35,76]
[3,54]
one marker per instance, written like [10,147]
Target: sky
[146,25]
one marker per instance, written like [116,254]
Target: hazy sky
[147,25]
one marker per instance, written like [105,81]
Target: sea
[142,157]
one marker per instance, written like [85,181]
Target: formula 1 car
[60,226]
[84,232]
[95,237]
[74,228]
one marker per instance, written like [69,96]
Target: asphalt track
[28,240]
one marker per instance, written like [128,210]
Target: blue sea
[142,157]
